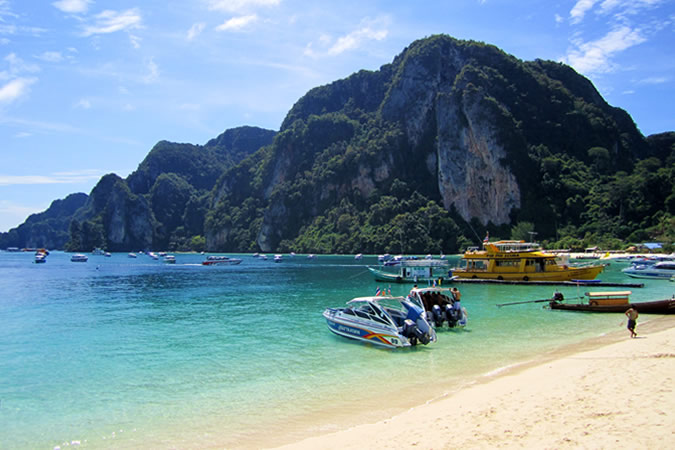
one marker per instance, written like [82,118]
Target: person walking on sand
[632,315]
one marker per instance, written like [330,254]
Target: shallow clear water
[129,353]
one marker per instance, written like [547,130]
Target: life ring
[500,278]
[526,278]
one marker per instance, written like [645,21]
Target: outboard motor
[410,331]
[451,316]
[415,326]
[423,331]
[437,316]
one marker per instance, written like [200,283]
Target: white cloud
[135,41]
[18,66]
[50,57]
[15,89]
[153,71]
[195,30]
[237,23]
[237,6]
[111,21]
[655,80]
[72,6]
[355,39]
[81,176]
[580,8]
[595,56]
[83,103]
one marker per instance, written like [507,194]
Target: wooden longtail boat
[614,302]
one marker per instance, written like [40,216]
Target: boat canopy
[609,294]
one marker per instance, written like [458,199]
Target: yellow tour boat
[520,260]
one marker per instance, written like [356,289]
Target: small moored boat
[169,259]
[79,258]
[661,270]
[413,271]
[382,320]
[614,301]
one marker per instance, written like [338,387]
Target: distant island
[451,140]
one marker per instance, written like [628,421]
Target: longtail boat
[614,302]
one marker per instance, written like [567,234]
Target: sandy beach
[608,392]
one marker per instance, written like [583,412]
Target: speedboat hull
[385,337]
[384,321]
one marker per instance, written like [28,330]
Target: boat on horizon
[169,259]
[214,260]
[613,302]
[79,257]
[520,260]
[385,321]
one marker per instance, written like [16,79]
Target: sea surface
[134,353]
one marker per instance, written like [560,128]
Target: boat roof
[374,298]
[609,294]
[430,289]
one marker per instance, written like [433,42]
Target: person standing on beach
[632,315]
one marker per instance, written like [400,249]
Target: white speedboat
[442,305]
[79,258]
[382,320]
[663,270]
[132,255]
[220,261]
[169,259]
[278,258]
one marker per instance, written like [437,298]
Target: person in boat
[632,315]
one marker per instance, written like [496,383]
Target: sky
[88,87]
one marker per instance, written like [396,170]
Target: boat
[40,258]
[278,258]
[79,257]
[220,261]
[661,270]
[98,251]
[169,259]
[613,301]
[358,256]
[131,255]
[441,305]
[385,321]
[520,260]
[413,271]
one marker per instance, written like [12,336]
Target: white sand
[619,394]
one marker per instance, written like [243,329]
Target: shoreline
[608,391]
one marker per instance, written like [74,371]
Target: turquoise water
[131,353]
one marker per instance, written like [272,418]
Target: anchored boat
[442,305]
[381,320]
[520,260]
[614,301]
[413,271]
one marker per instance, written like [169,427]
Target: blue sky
[87,87]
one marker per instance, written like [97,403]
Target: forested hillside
[450,140]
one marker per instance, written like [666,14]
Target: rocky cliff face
[462,118]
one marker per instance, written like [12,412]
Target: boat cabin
[608,298]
